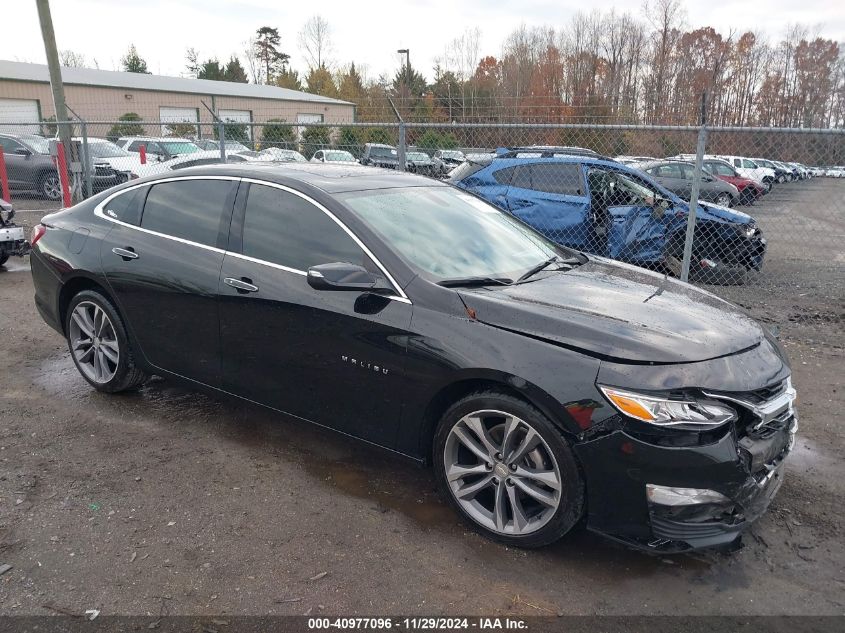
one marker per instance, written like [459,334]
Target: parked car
[445,160]
[333,156]
[158,148]
[678,177]
[781,174]
[279,155]
[208,144]
[631,160]
[194,159]
[749,190]
[750,169]
[12,237]
[30,167]
[379,155]
[419,163]
[603,207]
[126,164]
[834,172]
[545,386]
[792,172]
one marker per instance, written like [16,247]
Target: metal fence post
[221,138]
[86,161]
[696,188]
[400,150]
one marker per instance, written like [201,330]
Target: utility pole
[52,52]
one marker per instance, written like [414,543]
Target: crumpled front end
[668,490]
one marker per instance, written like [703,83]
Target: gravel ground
[170,501]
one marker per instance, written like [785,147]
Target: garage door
[177,118]
[19,111]
[237,116]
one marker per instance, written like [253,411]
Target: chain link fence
[769,210]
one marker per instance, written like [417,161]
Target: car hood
[618,312]
[710,211]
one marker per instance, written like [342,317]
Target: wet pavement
[166,500]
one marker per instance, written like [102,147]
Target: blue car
[597,205]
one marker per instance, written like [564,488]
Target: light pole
[407,53]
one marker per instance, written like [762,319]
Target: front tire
[507,470]
[4,257]
[99,344]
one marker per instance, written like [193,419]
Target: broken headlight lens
[690,414]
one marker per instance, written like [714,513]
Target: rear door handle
[242,285]
[126,253]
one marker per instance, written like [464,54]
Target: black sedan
[544,385]
[677,176]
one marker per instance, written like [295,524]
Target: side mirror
[22,151]
[342,276]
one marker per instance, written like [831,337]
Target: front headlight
[692,415]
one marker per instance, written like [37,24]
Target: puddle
[15,265]
[807,457]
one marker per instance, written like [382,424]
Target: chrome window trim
[100,213]
[400,296]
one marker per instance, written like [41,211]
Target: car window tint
[135,146]
[190,209]
[557,178]
[285,229]
[9,145]
[126,207]
[521,178]
[504,176]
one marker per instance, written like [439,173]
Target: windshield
[417,156]
[449,234]
[382,152]
[105,149]
[234,146]
[343,157]
[37,144]
[179,147]
[454,155]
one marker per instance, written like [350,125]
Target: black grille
[766,393]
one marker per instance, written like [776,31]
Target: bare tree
[315,40]
[253,64]
[72,59]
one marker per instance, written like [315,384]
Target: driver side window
[282,228]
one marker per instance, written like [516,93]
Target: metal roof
[22,71]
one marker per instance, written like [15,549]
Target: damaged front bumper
[672,498]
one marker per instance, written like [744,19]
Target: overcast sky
[367,32]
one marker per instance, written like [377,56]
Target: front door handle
[126,253]
[242,285]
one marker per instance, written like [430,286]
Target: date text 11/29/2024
[419,623]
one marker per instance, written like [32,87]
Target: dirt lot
[168,501]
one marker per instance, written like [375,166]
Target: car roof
[156,138]
[656,163]
[328,177]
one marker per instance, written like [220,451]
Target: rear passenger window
[125,207]
[504,176]
[190,209]
[557,178]
[284,229]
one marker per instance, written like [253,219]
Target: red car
[749,190]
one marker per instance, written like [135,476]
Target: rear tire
[723,200]
[50,186]
[507,470]
[4,257]
[99,344]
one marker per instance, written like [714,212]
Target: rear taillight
[38,232]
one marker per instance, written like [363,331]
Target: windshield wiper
[474,281]
[573,261]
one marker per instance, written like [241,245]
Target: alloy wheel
[723,200]
[51,186]
[502,473]
[93,342]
